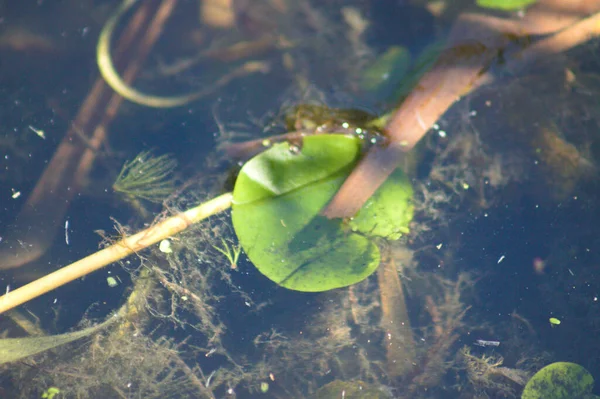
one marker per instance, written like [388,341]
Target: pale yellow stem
[117,251]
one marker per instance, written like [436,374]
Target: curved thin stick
[114,80]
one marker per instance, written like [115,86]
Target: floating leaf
[554,321]
[507,5]
[276,204]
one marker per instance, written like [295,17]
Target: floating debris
[484,343]
[112,282]
[39,132]
[165,247]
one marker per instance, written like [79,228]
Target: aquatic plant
[283,191]
[147,177]
[560,380]
[486,373]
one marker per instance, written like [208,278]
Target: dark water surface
[505,193]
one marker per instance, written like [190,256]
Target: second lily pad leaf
[276,204]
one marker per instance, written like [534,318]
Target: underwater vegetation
[560,380]
[283,192]
[272,299]
[146,177]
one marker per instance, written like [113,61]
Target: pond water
[491,114]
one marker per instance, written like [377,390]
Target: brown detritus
[486,374]
[435,315]
[395,322]
[522,320]
[448,313]
[562,164]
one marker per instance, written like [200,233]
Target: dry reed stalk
[121,249]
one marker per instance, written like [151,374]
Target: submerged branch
[475,42]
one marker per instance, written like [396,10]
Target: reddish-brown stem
[474,42]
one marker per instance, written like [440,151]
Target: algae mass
[560,380]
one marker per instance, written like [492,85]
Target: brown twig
[474,43]
[435,315]
[395,322]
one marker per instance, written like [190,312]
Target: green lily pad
[276,203]
[560,380]
[507,5]
[388,212]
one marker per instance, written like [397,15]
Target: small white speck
[501,259]
[210,352]
[165,247]
[39,132]
[67,231]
